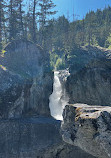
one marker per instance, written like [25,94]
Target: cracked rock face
[88,127]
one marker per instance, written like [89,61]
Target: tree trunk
[0,26]
[21,21]
[10,21]
[34,22]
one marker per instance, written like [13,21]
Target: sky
[80,7]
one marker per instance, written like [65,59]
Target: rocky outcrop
[37,137]
[90,77]
[88,127]
[63,75]
[26,138]
[26,80]
[65,151]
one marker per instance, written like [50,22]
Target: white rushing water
[58,98]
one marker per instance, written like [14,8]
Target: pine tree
[31,21]
[0,25]
[34,21]
[83,32]
[20,13]
[16,24]
[26,26]
[46,7]
[2,20]
[12,19]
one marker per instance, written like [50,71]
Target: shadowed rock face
[37,137]
[90,77]
[26,81]
[27,137]
[88,127]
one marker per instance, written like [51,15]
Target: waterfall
[58,99]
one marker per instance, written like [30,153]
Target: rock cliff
[26,128]
[86,124]
[88,127]
[90,77]
[26,80]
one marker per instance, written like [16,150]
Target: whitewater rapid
[58,98]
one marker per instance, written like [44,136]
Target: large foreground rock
[25,80]
[37,137]
[25,138]
[88,127]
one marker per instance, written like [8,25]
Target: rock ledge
[88,127]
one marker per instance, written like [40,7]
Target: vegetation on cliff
[60,37]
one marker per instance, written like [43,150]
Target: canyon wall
[90,77]
[26,80]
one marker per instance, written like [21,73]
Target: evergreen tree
[31,21]
[20,13]
[26,20]
[34,21]
[45,12]
[2,20]
[12,9]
